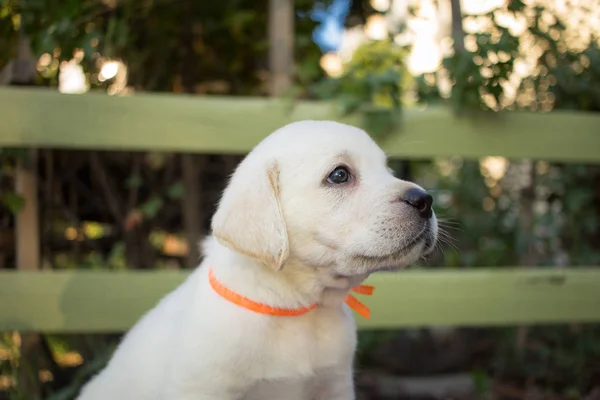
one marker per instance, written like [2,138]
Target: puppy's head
[321,193]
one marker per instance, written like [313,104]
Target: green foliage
[152,206]
[12,201]
[10,351]
[481,220]
[9,25]
[477,74]
[482,383]
[197,47]
[9,199]
[566,76]
[562,359]
[83,374]
[571,189]
[175,191]
[134,181]
[373,83]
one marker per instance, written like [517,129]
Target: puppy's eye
[339,175]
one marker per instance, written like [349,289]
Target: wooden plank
[105,301]
[557,136]
[180,123]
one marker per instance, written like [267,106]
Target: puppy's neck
[296,285]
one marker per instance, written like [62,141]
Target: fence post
[28,259]
[281,45]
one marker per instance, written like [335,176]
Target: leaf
[116,257]
[63,26]
[134,181]
[516,5]
[175,191]
[151,207]
[14,152]
[482,382]
[13,202]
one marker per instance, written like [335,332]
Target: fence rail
[111,301]
[213,124]
[104,301]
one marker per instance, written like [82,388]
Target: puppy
[307,216]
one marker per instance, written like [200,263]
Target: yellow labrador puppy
[307,216]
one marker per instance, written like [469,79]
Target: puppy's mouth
[425,239]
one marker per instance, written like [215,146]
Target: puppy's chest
[301,346]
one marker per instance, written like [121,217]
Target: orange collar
[260,308]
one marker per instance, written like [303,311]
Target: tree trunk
[458,32]
[281,45]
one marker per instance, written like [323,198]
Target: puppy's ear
[249,217]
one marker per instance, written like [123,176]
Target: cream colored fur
[283,236]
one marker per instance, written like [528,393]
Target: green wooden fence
[87,301]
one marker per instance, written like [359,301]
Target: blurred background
[145,210]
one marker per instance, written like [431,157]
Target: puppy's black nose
[419,199]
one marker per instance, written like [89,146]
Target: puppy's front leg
[336,385]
